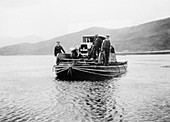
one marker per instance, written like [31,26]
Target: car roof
[94,36]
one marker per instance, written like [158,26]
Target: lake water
[29,92]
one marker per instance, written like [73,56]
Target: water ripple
[29,93]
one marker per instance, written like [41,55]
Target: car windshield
[88,39]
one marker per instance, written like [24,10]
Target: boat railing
[68,59]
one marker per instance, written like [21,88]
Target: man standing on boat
[106,49]
[97,46]
[57,50]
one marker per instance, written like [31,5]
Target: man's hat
[57,42]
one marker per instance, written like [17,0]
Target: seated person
[74,53]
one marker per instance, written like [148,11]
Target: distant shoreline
[144,52]
[117,53]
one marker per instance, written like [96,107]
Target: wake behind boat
[83,68]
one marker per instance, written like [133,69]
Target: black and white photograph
[84,60]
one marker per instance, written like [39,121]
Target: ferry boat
[82,68]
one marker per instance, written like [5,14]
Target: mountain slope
[152,36]
[6,41]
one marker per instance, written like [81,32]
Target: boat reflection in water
[89,101]
[87,89]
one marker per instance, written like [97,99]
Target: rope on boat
[69,71]
[96,70]
[95,73]
[62,70]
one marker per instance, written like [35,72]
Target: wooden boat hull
[89,72]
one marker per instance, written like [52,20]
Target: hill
[152,36]
[6,41]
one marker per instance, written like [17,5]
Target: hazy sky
[51,18]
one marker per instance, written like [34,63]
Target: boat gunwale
[86,65]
